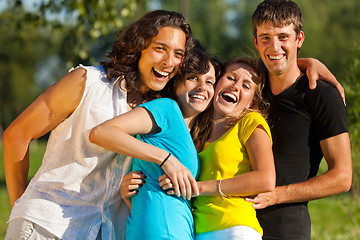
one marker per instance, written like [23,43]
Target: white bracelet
[218,186]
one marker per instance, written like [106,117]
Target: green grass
[333,218]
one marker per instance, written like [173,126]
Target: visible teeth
[275,57]
[230,95]
[165,74]
[201,97]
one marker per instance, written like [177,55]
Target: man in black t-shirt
[306,125]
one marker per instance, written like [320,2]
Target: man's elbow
[345,181]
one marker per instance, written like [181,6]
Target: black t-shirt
[299,119]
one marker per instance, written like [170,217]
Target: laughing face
[196,93]
[278,47]
[160,60]
[235,90]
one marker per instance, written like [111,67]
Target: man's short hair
[280,13]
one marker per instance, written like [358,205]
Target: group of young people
[215,151]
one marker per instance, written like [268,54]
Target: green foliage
[50,34]
[331,31]
[352,89]
[222,26]
[227,31]
[84,25]
[23,44]
[335,218]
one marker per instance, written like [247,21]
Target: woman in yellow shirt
[236,160]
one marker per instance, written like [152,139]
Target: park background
[42,39]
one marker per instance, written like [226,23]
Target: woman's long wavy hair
[122,60]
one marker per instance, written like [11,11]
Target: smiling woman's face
[196,93]
[160,60]
[235,90]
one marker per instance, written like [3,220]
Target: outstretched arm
[117,136]
[315,70]
[260,179]
[44,114]
[336,180]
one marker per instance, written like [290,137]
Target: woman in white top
[75,193]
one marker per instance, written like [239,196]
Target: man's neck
[280,82]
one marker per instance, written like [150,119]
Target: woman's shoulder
[250,121]
[94,74]
[253,116]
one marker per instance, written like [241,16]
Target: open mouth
[275,57]
[229,97]
[197,97]
[160,74]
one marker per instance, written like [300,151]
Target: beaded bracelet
[219,189]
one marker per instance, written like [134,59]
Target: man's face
[278,46]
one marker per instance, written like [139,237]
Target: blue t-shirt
[156,215]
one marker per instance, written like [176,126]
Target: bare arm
[260,179]
[117,136]
[336,179]
[315,70]
[44,114]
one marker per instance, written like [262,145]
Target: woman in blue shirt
[162,129]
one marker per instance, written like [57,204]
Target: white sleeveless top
[77,188]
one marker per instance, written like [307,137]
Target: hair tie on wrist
[165,159]
[218,186]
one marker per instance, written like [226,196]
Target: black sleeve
[328,111]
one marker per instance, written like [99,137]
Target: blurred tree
[332,29]
[222,26]
[23,44]
[352,89]
[48,34]
[88,28]
[41,42]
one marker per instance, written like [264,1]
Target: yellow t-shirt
[226,158]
